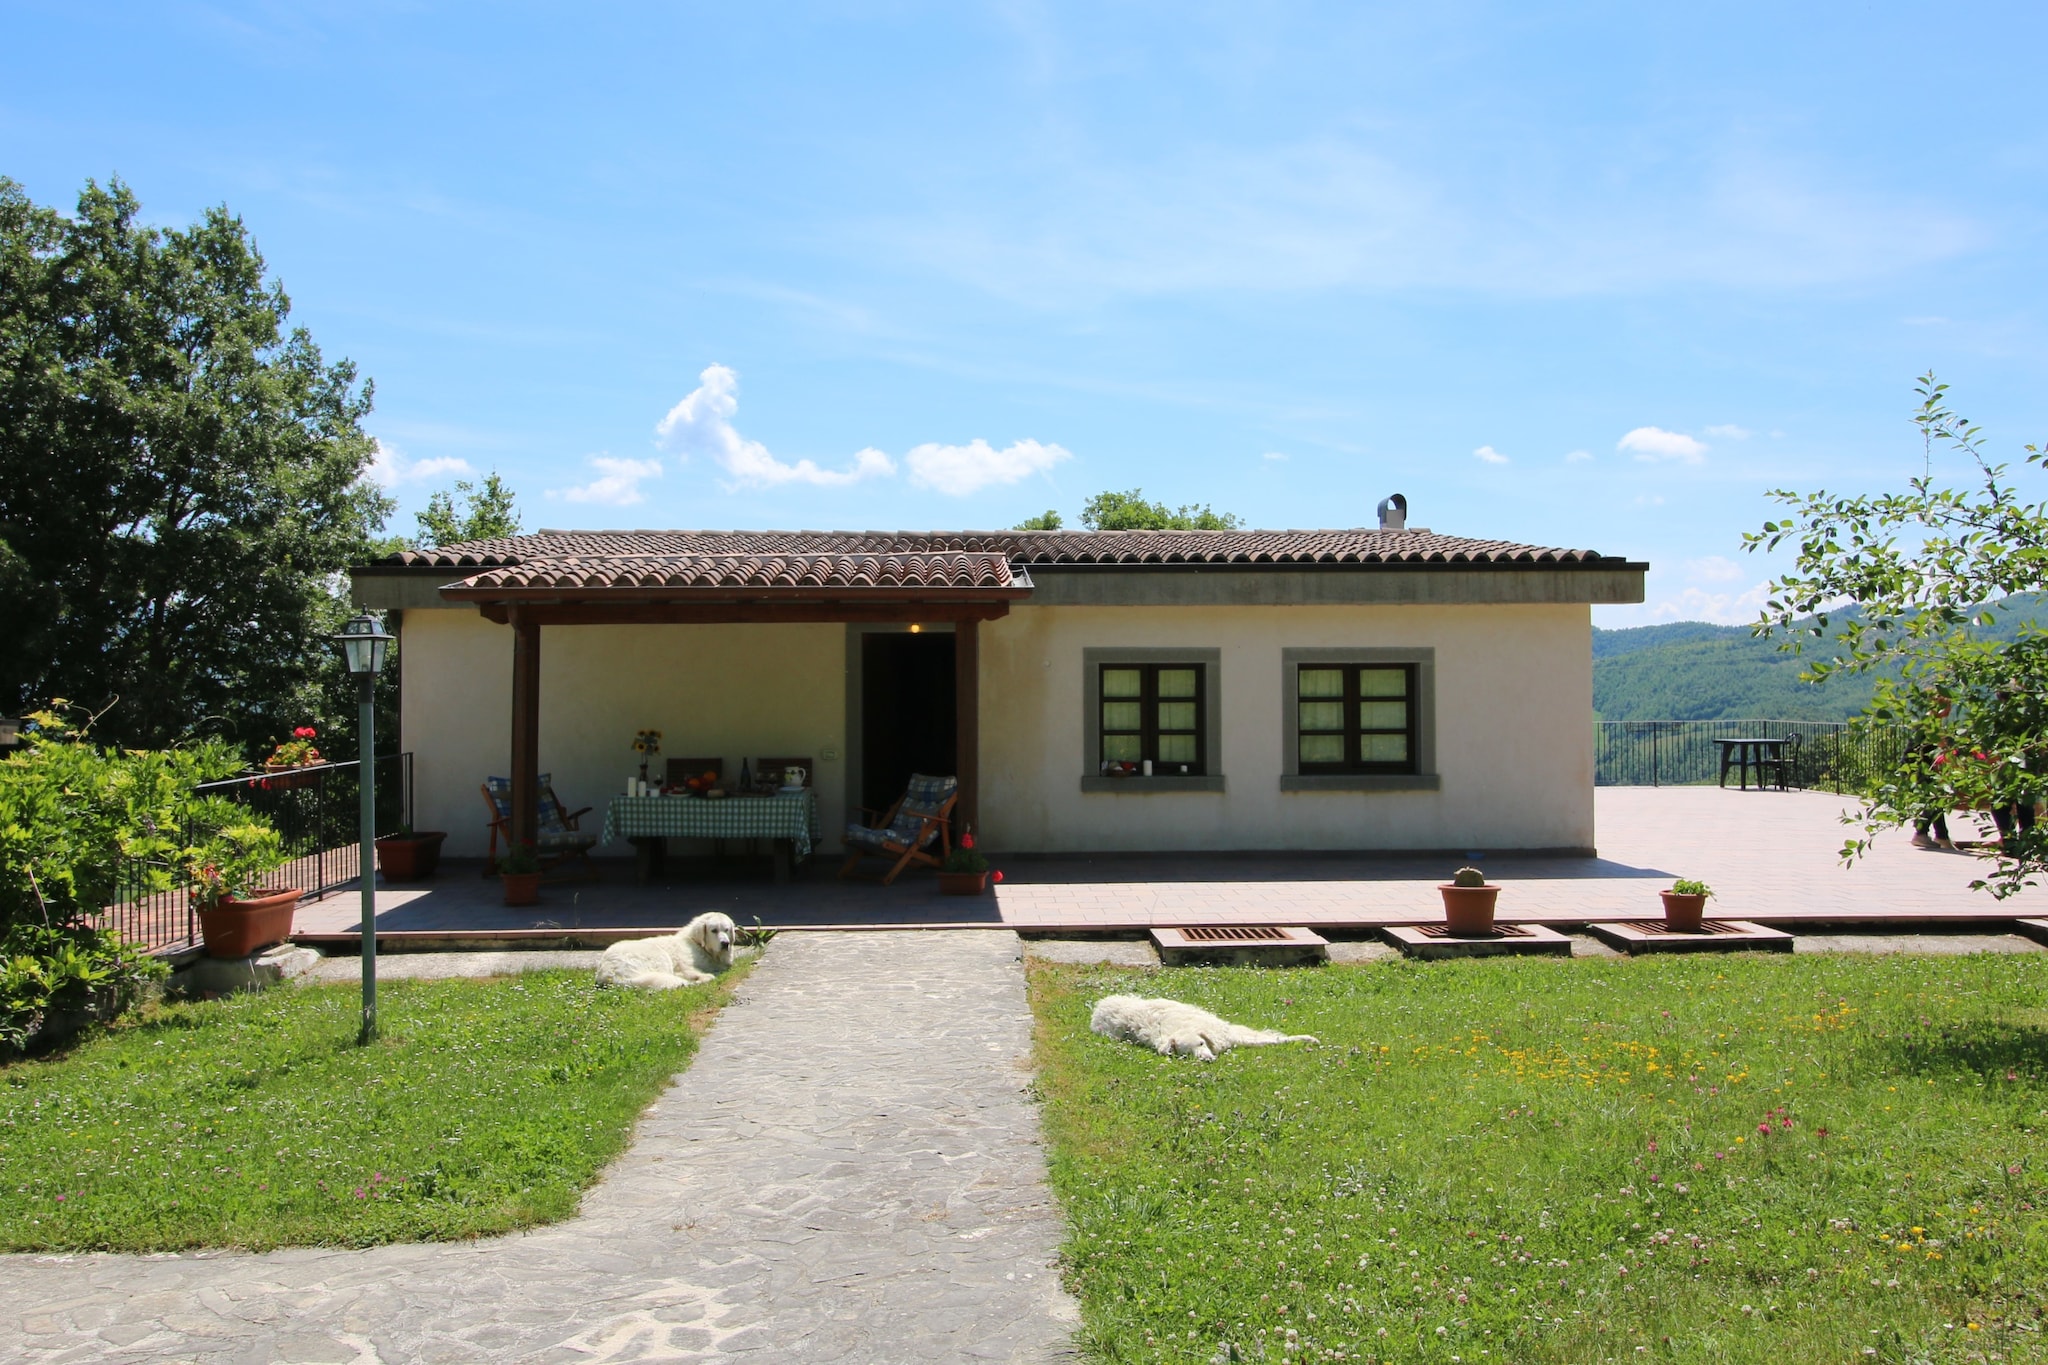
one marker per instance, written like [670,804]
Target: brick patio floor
[1770,856]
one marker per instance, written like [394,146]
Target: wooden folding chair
[914,830]
[558,840]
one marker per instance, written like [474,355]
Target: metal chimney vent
[1394,513]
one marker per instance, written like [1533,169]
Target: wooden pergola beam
[525,726]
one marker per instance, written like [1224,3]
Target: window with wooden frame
[1156,712]
[1357,718]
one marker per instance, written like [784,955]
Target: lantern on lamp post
[363,644]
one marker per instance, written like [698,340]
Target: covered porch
[550,606]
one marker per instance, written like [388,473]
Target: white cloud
[1725,608]
[1274,455]
[390,467]
[1649,500]
[702,425]
[1728,431]
[1713,569]
[1578,456]
[960,470]
[617,483]
[1655,443]
[1489,455]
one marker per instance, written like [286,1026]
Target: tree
[1048,520]
[483,513]
[180,478]
[1928,572]
[1130,512]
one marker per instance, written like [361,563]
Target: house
[1375,688]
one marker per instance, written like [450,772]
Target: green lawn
[257,1121]
[1740,1158]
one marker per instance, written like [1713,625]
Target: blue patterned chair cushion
[925,797]
[554,827]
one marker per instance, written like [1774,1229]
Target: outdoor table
[1749,752]
[789,819]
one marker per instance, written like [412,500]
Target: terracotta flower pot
[286,776]
[1468,910]
[1683,913]
[521,888]
[963,883]
[239,928]
[409,857]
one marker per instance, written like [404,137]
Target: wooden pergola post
[967,719]
[525,725]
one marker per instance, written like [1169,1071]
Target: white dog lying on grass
[1171,1028]
[690,957]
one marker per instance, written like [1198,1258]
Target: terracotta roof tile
[698,570]
[622,551]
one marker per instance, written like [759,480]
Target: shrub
[80,827]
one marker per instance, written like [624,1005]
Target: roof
[691,570]
[596,554]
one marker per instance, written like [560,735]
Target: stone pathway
[849,1171]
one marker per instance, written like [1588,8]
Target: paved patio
[1770,856]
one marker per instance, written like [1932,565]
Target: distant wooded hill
[1692,670]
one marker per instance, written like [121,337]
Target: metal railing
[1818,754]
[313,809]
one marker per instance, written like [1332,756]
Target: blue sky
[1586,275]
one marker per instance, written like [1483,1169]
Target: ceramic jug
[795,777]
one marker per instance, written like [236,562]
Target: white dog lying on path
[690,957]
[1171,1028]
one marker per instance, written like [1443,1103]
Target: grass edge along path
[256,1121]
[1747,1158]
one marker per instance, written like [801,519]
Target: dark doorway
[906,712]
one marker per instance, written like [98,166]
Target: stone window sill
[1361,782]
[1150,786]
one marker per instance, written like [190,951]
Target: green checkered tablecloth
[793,817]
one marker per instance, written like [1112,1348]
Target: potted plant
[1468,903]
[410,855]
[236,917]
[1685,905]
[294,753]
[966,871]
[519,874]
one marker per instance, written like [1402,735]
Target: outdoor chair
[914,830]
[558,841]
[1783,769]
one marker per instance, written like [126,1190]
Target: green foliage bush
[82,827]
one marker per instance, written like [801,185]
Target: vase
[1683,913]
[232,927]
[1468,910]
[521,888]
[409,857]
[963,883]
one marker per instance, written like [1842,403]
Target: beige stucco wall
[1514,706]
[736,691]
[1513,722]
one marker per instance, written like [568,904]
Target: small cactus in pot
[1469,903]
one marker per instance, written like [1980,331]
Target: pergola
[960,588]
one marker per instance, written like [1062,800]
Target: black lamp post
[363,644]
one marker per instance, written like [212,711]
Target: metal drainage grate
[1233,933]
[1709,928]
[1499,931]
